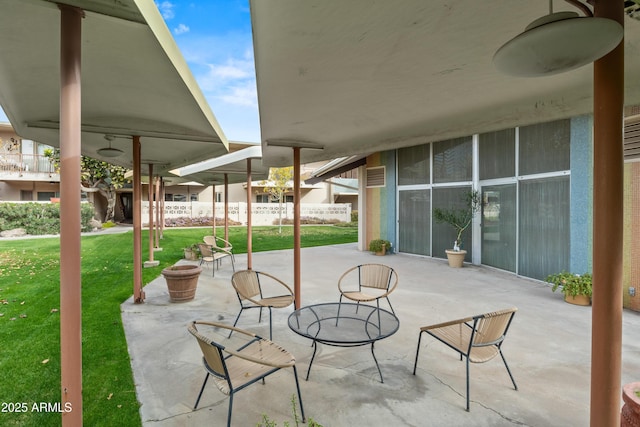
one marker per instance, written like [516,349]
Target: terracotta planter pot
[578,299]
[182,281]
[190,255]
[456,258]
[630,415]
[382,252]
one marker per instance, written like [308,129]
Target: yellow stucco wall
[631,244]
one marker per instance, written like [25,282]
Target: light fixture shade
[556,43]
[110,152]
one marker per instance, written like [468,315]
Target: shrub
[376,245]
[571,284]
[184,221]
[308,220]
[39,218]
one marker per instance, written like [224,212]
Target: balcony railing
[25,163]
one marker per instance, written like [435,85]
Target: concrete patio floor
[548,350]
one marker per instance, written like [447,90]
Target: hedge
[39,218]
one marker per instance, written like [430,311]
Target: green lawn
[30,318]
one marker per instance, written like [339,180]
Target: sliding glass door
[499,226]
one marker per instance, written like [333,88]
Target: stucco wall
[631,243]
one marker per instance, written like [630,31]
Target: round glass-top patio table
[343,325]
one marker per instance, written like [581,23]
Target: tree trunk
[280,215]
[111,204]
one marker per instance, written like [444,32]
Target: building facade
[535,184]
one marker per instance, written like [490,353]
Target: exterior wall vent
[376,177]
[631,140]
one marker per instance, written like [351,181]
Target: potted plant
[182,281]
[577,288]
[459,219]
[192,253]
[630,414]
[379,246]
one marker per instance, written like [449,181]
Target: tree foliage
[96,176]
[460,219]
[277,186]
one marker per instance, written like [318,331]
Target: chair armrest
[281,357]
[225,326]
[449,323]
[226,242]
[342,277]
[222,251]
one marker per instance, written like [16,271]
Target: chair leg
[467,383]
[392,310]
[201,390]
[270,327]
[415,365]
[508,370]
[339,305]
[230,410]
[295,375]
[236,322]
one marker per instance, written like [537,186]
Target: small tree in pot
[459,219]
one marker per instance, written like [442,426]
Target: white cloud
[181,29]
[166,9]
[244,94]
[231,70]
[224,69]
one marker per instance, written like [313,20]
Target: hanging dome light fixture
[109,151]
[556,43]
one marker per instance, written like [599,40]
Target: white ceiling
[361,76]
[134,82]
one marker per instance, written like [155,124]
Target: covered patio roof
[83,75]
[233,165]
[134,82]
[358,77]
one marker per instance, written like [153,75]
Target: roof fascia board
[159,28]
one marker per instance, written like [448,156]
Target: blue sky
[215,39]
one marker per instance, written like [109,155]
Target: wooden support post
[249,236]
[70,258]
[606,337]
[296,225]
[138,293]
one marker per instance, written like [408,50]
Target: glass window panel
[414,219]
[544,227]
[452,160]
[45,196]
[545,147]
[413,165]
[26,195]
[443,234]
[497,152]
[27,146]
[499,226]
